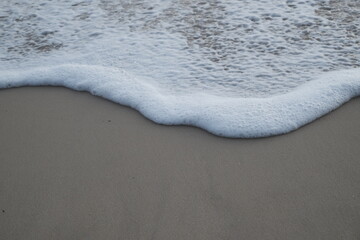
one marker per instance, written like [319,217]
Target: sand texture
[75,166]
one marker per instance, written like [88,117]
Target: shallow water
[228,49]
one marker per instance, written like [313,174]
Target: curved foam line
[228,117]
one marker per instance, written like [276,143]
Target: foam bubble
[235,68]
[223,116]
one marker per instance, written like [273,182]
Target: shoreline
[78,166]
[222,116]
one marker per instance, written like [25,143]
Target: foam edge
[222,116]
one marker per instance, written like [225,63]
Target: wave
[223,116]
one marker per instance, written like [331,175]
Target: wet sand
[75,166]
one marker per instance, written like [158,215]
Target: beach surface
[75,166]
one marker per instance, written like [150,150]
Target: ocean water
[236,68]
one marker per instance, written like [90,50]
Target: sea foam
[235,68]
[228,117]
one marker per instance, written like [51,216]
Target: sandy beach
[75,166]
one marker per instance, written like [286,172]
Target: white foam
[229,117]
[224,47]
[235,68]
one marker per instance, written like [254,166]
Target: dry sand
[74,166]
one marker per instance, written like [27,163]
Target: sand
[75,166]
